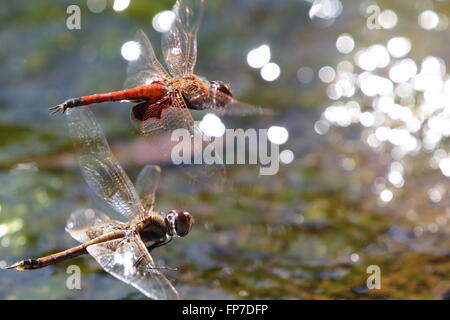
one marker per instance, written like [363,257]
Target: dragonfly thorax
[154,228]
[201,94]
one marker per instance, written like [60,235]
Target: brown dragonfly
[164,97]
[121,248]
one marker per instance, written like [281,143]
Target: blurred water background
[366,104]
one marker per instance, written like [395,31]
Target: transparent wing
[204,176]
[146,68]
[223,104]
[129,260]
[146,185]
[104,175]
[179,44]
[170,116]
[86,224]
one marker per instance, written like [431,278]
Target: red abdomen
[150,92]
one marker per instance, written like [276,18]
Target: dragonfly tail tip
[18,266]
[13,266]
[57,109]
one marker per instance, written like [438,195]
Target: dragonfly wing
[205,175]
[102,172]
[223,104]
[179,44]
[177,115]
[237,108]
[146,185]
[86,224]
[168,117]
[146,68]
[129,260]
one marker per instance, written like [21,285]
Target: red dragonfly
[121,248]
[164,97]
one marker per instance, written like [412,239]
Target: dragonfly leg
[162,268]
[138,262]
[149,248]
[141,259]
[159,244]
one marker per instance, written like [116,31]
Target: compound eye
[222,87]
[183,224]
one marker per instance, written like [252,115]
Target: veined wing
[179,44]
[129,260]
[146,68]
[86,224]
[168,117]
[104,175]
[224,104]
[146,185]
[178,115]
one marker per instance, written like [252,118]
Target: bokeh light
[286,156]
[120,5]
[96,6]
[277,134]
[327,74]
[305,74]
[162,21]
[259,57]
[130,50]
[386,195]
[399,46]
[270,72]
[388,19]
[345,43]
[428,20]
[212,126]
[325,9]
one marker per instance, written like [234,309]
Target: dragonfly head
[220,93]
[179,223]
[222,87]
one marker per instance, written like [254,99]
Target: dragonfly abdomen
[150,93]
[30,264]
